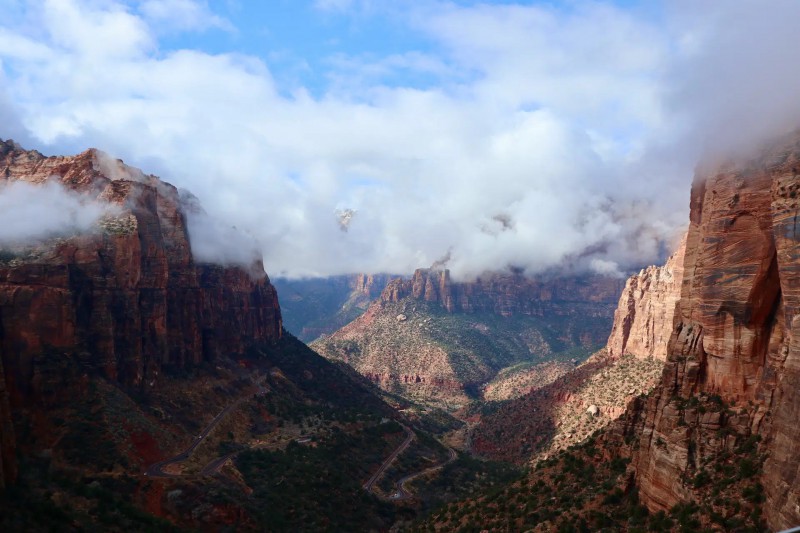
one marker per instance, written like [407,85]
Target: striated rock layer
[127,300]
[736,338]
[503,294]
[644,318]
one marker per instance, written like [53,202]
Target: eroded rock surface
[736,337]
[505,294]
[643,321]
[126,299]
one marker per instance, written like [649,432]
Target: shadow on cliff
[526,425]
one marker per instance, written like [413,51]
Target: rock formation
[550,415]
[428,336]
[505,294]
[127,300]
[644,318]
[736,337]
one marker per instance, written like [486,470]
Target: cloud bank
[523,136]
[214,241]
[30,213]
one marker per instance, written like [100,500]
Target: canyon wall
[736,339]
[126,300]
[505,294]
[643,321]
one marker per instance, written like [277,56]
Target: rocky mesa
[507,294]
[126,300]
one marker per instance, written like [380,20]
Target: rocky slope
[644,317]
[126,300]
[548,411]
[590,487]
[319,306]
[643,323]
[565,411]
[736,337]
[430,338]
[519,380]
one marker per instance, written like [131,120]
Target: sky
[533,136]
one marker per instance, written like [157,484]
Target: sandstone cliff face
[643,321]
[128,300]
[735,339]
[505,294]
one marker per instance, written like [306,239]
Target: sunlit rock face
[736,335]
[644,318]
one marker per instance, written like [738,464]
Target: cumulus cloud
[539,138]
[31,213]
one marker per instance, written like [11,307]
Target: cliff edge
[125,299]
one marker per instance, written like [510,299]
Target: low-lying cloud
[30,213]
[538,138]
[214,241]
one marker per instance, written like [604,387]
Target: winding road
[157,469]
[403,494]
[400,449]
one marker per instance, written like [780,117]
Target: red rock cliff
[645,314]
[737,335]
[504,294]
[128,300]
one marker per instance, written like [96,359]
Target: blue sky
[302,40]
[579,122]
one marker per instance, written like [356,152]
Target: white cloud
[33,212]
[96,35]
[547,137]
[214,241]
[182,15]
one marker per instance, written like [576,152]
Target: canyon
[120,351]
[313,307]
[690,401]
[436,340]
[714,445]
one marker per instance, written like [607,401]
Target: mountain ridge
[433,338]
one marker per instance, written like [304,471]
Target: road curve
[378,473]
[402,493]
[213,467]
[157,469]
